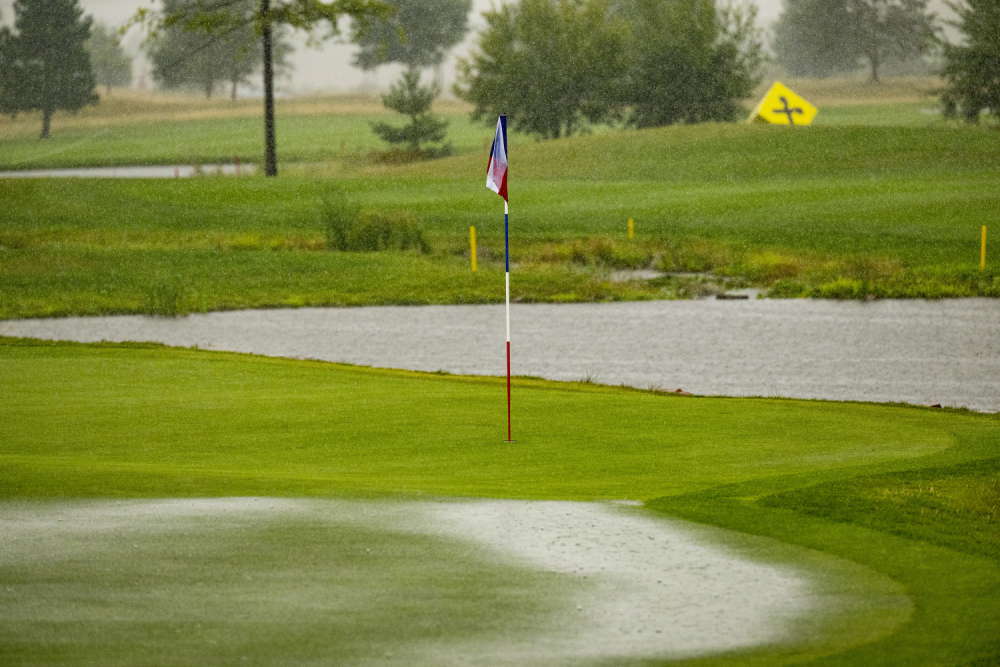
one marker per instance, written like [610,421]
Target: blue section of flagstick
[506,243]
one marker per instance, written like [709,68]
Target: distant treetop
[419,34]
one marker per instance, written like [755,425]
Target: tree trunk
[233,97]
[208,88]
[46,123]
[270,144]
[874,61]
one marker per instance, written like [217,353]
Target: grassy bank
[131,127]
[871,205]
[138,127]
[908,492]
[840,213]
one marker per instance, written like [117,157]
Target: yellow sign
[782,107]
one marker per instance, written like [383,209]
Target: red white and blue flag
[496,171]
[496,180]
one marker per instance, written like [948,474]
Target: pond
[152,171]
[921,352]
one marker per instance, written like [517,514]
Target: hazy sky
[327,68]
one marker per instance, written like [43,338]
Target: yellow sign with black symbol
[783,107]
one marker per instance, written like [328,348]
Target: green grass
[846,479]
[868,203]
[212,140]
[833,212]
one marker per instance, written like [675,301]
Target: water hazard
[920,352]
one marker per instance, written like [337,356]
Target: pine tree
[418,34]
[411,99]
[46,64]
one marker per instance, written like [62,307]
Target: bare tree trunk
[270,144]
[233,97]
[46,123]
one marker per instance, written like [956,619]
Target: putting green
[279,581]
[84,423]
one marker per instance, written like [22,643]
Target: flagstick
[506,254]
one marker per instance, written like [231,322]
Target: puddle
[154,171]
[477,582]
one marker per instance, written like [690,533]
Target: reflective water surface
[919,352]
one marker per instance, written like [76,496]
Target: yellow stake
[472,242]
[631,229]
[982,254]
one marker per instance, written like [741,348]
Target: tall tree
[111,65]
[891,29]
[690,61]
[828,36]
[47,67]
[972,69]
[187,58]
[814,38]
[548,64]
[419,34]
[214,17]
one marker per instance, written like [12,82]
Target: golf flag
[496,171]
[781,106]
[496,180]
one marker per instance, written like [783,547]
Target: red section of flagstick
[508,391]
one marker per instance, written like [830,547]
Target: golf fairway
[87,427]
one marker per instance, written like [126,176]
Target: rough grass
[107,421]
[957,507]
[137,127]
[849,212]
[867,212]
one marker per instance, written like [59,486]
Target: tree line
[556,65]
[553,66]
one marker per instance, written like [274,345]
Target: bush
[348,228]
[169,297]
[339,215]
[393,230]
[788,289]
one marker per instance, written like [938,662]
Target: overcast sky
[327,68]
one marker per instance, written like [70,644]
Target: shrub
[348,228]
[169,297]
[393,230]
[842,288]
[788,289]
[339,215]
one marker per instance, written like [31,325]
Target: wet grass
[908,492]
[957,507]
[137,127]
[134,128]
[898,215]
[872,208]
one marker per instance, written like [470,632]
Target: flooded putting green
[481,582]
